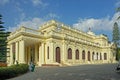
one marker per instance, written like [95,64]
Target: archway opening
[58,54]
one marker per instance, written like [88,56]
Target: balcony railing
[25,30]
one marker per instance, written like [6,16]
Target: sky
[99,15]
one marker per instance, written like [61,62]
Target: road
[81,72]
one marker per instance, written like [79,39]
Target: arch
[48,52]
[83,54]
[93,55]
[88,55]
[97,55]
[77,54]
[58,54]
[105,56]
[100,56]
[69,53]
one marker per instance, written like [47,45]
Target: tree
[3,41]
[118,10]
[116,34]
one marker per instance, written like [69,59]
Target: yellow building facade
[55,43]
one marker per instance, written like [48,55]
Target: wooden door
[58,54]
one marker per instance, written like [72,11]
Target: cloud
[35,23]
[52,16]
[3,2]
[117,4]
[17,6]
[39,3]
[22,16]
[103,24]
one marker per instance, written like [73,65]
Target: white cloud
[17,6]
[117,4]
[105,24]
[39,2]
[52,16]
[22,16]
[3,2]
[35,23]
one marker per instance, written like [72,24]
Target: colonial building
[57,44]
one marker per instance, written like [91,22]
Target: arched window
[83,54]
[100,56]
[77,54]
[48,52]
[93,55]
[69,53]
[97,55]
[58,57]
[105,56]
[88,55]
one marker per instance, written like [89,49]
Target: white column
[11,55]
[22,51]
[16,52]
[36,53]
[40,56]
[29,56]
[43,53]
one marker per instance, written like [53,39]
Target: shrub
[12,71]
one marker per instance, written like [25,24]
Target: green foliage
[118,9]
[116,33]
[118,54]
[3,39]
[12,71]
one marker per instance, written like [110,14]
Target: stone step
[50,65]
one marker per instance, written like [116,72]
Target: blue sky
[82,14]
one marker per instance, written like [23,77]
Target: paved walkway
[82,72]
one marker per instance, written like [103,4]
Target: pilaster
[64,54]
[41,54]
[51,51]
[11,55]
